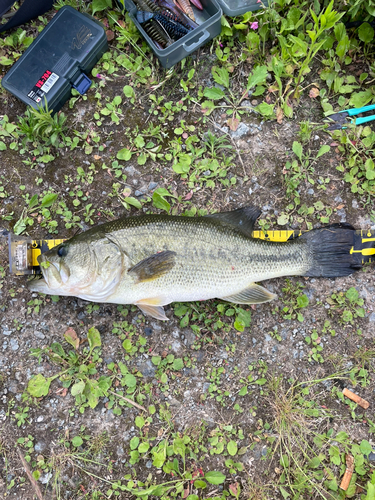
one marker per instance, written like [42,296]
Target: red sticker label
[43,85]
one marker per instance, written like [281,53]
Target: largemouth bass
[153,260]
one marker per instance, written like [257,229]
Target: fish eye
[62,251]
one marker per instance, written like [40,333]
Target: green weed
[294,300]
[40,125]
[347,305]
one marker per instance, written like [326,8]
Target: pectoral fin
[154,266]
[254,294]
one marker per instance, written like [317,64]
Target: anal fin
[253,294]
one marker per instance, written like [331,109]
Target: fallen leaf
[314,92]
[233,123]
[279,115]
[110,35]
[188,196]
[97,157]
[186,492]
[339,207]
[62,391]
[234,489]
[71,337]
[185,135]
[121,23]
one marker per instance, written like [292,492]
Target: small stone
[152,186]
[147,368]
[372,317]
[40,418]
[131,170]
[149,464]
[40,446]
[218,86]
[355,204]
[254,102]
[39,335]
[44,478]
[176,346]
[242,130]
[148,331]
[138,193]
[14,344]
[342,214]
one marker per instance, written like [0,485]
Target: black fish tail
[331,248]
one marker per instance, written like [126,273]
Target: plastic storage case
[234,8]
[59,58]
[211,27]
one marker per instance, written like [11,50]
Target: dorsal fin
[243,218]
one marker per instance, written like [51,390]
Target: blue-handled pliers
[340,118]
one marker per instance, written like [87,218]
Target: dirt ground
[201,399]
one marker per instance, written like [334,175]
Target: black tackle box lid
[59,58]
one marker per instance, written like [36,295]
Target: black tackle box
[209,20]
[60,58]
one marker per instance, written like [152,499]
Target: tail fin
[331,250]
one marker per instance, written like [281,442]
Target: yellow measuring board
[363,244]
[24,252]
[36,247]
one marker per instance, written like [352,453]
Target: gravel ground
[203,396]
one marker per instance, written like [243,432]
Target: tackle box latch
[82,83]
